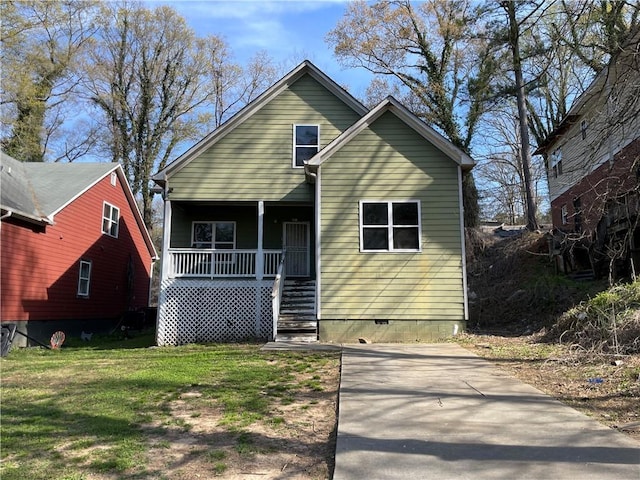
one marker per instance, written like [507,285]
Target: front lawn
[119,409]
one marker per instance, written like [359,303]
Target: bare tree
[41,45]
[500,172]
[427,50]
[157,85]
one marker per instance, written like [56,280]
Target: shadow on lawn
[116,341]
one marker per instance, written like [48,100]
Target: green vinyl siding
[254,160]
[389,161]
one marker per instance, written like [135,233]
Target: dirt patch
[605,387]
[296,441]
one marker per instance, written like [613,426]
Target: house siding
[40,266]
[389,161]
[611,126]
[235,168]
[606,182]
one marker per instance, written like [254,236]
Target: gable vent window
[110,220]
[556,163]
[306,143]
[583,129]
[390,226]
[114,178]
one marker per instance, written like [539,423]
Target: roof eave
[136,213]
[28,217]
[391,104]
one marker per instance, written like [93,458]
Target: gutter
[27,217]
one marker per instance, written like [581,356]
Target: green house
[307,216]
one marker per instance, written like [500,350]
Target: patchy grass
[112,409]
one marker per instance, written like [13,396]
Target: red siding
[39,270]
[606,182]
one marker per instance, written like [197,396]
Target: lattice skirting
[203,311]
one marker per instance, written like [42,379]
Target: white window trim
[295,144]
[114,178]
[564,214]
[213,242]
[390,226]
[80,292]
[110,220]
[556,162]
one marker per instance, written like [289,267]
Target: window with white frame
[390,226]
[556,163]
[215,235]
[84,278]
[564,214]
[306,143]
[110,219]
[114,178]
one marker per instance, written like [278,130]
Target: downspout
[464,250]
[6,215]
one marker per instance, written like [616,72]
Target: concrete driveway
[437,411]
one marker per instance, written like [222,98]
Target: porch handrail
[210,263]
[276,293]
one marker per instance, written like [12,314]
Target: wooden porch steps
[297,321]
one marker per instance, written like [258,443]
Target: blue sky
[289,30]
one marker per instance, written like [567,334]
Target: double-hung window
[110,220]
[306,143]
[556,163]
[214,235]
[390,226]
[564,214]
[84,278]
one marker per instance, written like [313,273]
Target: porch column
[166,240]
[260,253]
[259,267]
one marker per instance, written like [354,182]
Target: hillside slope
[513,286]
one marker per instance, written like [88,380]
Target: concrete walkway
[440,412]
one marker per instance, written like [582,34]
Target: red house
[75,253]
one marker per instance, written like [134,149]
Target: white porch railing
[200,263]
[276,294]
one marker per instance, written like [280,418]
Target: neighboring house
[593,167]
[359,210]
[75,253]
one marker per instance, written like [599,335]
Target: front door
[296,244]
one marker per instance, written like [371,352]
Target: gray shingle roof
[39,190]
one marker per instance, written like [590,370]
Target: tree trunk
[525,151]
